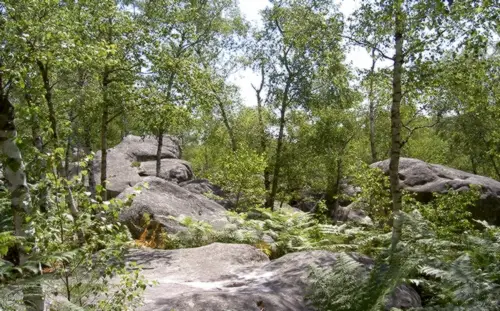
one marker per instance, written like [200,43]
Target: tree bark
[44,70]
[279,148]
[495,167]
[396,129]
[35,120]
[104,131]
[373,146]
[225,119]
[161,130]
[158,152]
[90,165]
[20,197]
[262,129]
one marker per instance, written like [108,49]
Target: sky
[358,57]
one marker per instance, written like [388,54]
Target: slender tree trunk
[333,187]
[330,193]
[35,120]
[161,131]
[67,157]
[228,126]
[396,129]
[158,152]
[90,165]
[104,132]
[44,70]
[337,183]
[473,164]
[495,167]
[262,130]
[279,148]
[125,127]
[372,110]
[20,197]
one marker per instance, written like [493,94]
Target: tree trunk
[158,152]
[162,130]
[495,167]
[20,197]
[35,120]
[337,184]
[67,157]
[473,164]
[104,132]
[396,129]
[225,119]
[279,147]
[125,127]
[330,194]
[44,70]
[372,110]
[90,165]
[262,129]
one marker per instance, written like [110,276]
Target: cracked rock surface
[235,277]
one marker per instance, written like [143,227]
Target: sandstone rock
[174,170]
[353,212]
[211,191]
[162,199]
[234,277]
[424,179]
[124,160]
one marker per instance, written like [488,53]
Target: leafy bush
[76,249]
[373,194]
[449,214]
[240,174]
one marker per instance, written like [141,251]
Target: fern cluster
[449,275]
[276,232]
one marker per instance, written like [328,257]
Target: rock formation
[423,179]
[238,278]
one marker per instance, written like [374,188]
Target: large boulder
[423,179]
[124,162]
[162,200]
[174,170]
[354,212]
[211,191]
[236,277]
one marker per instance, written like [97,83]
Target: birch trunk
[104,132]
[396,129]
[15,175]
[279,149]
[44,70]
[161,130]
[158,152]
[262,129]
[225,120]
[372,110]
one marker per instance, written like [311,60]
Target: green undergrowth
[450,259]
[276,233]
[75,249]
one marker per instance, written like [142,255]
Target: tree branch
[114,117]
[370,45]
[412,130]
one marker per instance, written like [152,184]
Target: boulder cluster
[234,276]
[131,165]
